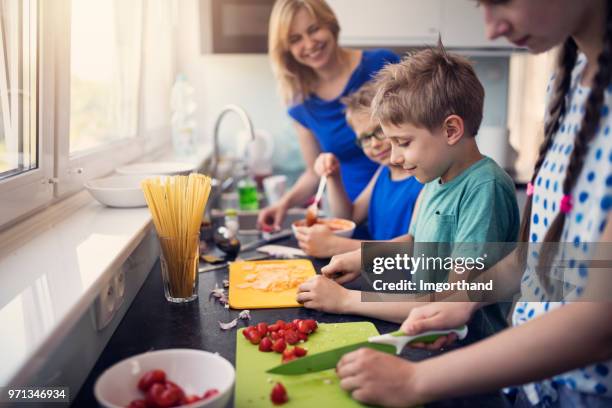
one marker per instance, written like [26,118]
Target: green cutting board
[253,384]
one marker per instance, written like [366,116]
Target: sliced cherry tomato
[296,321]
[279,345]
[274,335]
[303,336]
[170,384]
[307,326]
[291,326]
[210,393]
[262,328]
[265,345]
[138,404]
[151,377]
[273,327]
[299,352]
[278,396]
[291,337]
[254,337]
[190,398]
[164,395]
[280,324]
[288,355]
[313,324]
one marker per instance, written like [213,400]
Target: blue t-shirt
[391,205]
[326,120]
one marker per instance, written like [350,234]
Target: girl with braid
[559,352]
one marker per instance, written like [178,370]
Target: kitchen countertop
[152,323]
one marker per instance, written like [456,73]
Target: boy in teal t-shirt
[430,107]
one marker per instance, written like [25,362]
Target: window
[84,88]
[18,141]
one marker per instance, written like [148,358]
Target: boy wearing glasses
[388,200]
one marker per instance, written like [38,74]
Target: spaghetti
[177,204]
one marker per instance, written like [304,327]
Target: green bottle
[247,192]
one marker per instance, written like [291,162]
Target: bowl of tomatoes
[167,378]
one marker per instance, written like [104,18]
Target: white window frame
[23,193]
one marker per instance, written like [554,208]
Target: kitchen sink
[248,219]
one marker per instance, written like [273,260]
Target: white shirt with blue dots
[592,201]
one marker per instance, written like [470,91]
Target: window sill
[53,266]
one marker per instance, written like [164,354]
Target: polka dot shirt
[592,201]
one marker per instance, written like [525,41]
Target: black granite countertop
[152,323]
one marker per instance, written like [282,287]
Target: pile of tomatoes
[159,392]
[276,337]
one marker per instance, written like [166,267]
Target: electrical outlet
[119,282]
[105,305]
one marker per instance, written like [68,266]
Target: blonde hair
[426,87]
[360,101]
[295,80]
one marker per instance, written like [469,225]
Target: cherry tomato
[291,337]
[291,326]
[138,404]
[151,377]
[273,327]
[296,321]
[288,355]
[255,337]
[313,324]
[210,393]
[278,396]
[190,398]
[302,336]
[265,345]
[280,324]
[170,384]
[279,345]
[262,328]
[162,395]
[299,352]
[274,335]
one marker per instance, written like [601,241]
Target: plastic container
[248,198]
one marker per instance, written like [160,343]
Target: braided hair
[588,130]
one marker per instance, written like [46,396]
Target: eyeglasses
[365,140]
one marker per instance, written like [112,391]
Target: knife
[391,343]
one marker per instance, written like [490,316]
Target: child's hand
[437,316]
[326,165]
[378,378]
[323,294]
[343,268]
[316,240]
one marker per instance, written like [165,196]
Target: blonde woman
[314,73]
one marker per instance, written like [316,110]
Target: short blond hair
[360,101]
[425,87]
[295,80]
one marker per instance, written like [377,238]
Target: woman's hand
[344,268]
[378,378]
[316,241]
[438,316]
[326,164]
[271,218]
[323,294]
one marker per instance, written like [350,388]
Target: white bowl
[118,191]
[167,168]
[195,371]
[346,232]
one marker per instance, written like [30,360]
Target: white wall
[246,80]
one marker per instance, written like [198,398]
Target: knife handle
[399,339]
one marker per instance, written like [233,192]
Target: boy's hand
[316,240]
[378,378]
[437,316]
[326,165]
[323,294]
[344,268]
[271,218]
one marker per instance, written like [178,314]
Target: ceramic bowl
[195,371]
[118,191]
[339,226]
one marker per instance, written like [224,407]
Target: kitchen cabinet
[409,23]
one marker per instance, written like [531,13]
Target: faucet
[245,120]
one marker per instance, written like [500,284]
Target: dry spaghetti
[177,204]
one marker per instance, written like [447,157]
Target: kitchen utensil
[391,343]
[320,389]
[313,209]
[249,298]
[346,232]
[118,191]
[227,242]
[267,237]
[194,370]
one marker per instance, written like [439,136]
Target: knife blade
[326,359]
[391,343]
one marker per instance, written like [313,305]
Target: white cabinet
[387,22]
[462,26]
[405,23]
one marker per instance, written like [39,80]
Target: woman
[314,73]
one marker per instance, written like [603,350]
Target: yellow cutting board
[249,298]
